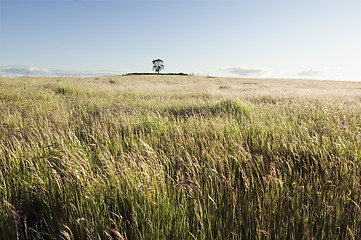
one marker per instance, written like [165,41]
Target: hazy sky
[250,38]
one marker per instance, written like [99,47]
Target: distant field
[179,157]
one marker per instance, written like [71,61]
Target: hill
[175,74]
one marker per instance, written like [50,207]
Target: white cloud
[247,72]
[207,72]
[37,72]
[241,71]
[22,71]
[312,73]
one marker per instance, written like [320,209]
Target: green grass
[169,157]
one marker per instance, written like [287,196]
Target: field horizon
[179,157]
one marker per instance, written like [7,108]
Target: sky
[315,39]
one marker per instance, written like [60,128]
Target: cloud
[241,71]
[312,73]
[37,72]
[207,72]
[247,72]
[22,71]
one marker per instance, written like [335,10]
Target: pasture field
[179,157]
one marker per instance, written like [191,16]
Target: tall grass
[167,157]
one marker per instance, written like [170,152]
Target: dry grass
[179,157]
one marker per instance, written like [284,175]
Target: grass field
[179,157]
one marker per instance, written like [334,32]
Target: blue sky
[319,39]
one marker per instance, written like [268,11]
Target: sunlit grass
[179,157]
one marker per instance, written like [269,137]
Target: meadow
[179,157]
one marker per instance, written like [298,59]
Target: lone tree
[158,65]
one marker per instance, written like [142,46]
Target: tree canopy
[158,65]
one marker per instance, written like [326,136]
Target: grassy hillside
[179,157]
